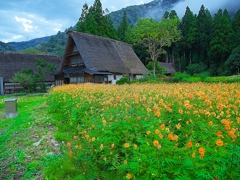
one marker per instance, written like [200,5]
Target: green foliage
[55,45]
[129,130]
[27,79]
[179,77]
[32,51]
[30,80]
[158,68]
[196,68]
[123,80]
[122,28]
[155,35]
[93,20]
[233,62]
[5,47]
[221,38]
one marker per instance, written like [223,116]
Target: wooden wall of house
[88,78]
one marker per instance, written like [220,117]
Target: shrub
[196,68]
[123,80]
[178,77]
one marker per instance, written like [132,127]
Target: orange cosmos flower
[138,118]
[170,136]
[75,137]
[201,151]
[210,123]
[158,114]
[128,176]
[70,153]
[231,134]
[219,142]
[157,131]
[155,143]
[69,144]
[162,126]
[189,144]
[126,145]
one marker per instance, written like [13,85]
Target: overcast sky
[23,20]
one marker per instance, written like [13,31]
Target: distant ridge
[28,44]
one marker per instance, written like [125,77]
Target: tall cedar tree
[204,24]
[123,27]
[236,28]
[94,21]
[189,32]
[221,38]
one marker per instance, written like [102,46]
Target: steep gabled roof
[12,62]
[168,67]
[104,54]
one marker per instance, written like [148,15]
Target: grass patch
[21,156]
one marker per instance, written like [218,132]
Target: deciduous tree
[155,35]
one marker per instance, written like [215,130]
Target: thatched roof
[168,67]
[104,54]
[12,62]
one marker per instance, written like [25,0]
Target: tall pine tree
[236,28]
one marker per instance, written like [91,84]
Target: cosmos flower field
[151,131]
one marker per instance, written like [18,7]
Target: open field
[139,131]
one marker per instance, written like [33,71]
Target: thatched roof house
[13,62]
[91,58]
[168,67]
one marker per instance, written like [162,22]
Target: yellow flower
[148,132]
[75,137]
[101,146]
[155,143]
[93,139]
[126,145]
[157,131]
[125,162]
[105,159]
[112,146]
[219,142]
[167,129]
[160,135]
[180,111]
[178,126]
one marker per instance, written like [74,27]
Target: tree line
[205,45]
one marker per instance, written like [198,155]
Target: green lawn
[26,141]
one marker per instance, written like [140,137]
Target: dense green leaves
[155,35]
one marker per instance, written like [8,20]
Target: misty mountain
[28,44]
[154,9]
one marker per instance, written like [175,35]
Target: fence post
[1,87]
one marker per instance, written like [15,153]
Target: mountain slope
[28,44]
[5,47]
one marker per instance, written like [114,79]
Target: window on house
[98,79]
